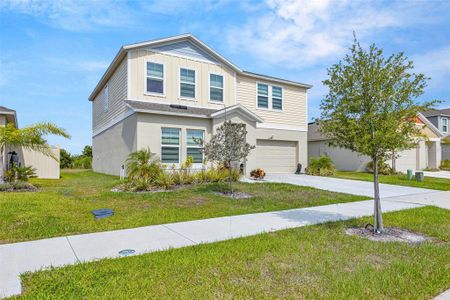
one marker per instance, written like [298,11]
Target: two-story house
[163,93]
[440,118]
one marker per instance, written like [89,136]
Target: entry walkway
[17,258]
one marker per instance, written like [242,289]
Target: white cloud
[74,15]
[303,32]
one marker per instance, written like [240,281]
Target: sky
[52,53]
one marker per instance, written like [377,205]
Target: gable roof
[437,112]
[11,116]
[189,111]
[197,43]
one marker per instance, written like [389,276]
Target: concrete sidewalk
[31,256]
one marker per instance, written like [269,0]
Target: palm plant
[30,137]
[143,167]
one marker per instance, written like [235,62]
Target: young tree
[30,137]
[65,159]
[87,151]
[228,145]
[371,107]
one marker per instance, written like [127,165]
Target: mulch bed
[390,234]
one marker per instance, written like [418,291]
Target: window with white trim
[216,87]
[155,78]
[170,145]
[269,97]
[277,98]
[263,95]
[105,99]
[187,83]
[444,124]
[193,147]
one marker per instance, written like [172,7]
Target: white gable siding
[117,92]
[185,49]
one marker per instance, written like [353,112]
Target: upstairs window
[193,148]
[105,99]
[216,87]
[269,97]
[444,124]
[170,145]
[277,98]
[187,83]
[155,78]
[263,95]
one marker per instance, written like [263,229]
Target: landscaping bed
[63,206]
[315,262]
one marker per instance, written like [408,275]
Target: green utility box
[419,176]
[409,174]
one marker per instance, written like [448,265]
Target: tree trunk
[394,167]
[377,215]
[231,178]
[2,165]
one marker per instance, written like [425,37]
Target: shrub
[383,168]
[143,167]
[82,162]
[445,165]
[321,166]
[17,173]
[165,180]
[258,173]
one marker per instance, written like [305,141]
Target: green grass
[429,182]
[63,207]
[317,262]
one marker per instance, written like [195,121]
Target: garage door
[407,160]
[276,156]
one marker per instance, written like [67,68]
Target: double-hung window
[263,95]
[444,124]
[193,147]
[187,83]
[155,78]
[277,98]
[216,88]
[269,97]
[105,99]
[170,145]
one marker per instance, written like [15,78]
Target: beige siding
[294,102]
[117,89]
[172,64]
[46,166]
[112,147]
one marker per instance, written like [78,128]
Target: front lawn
[316,262]
[428,183]
[62,207]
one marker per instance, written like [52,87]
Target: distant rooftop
[437,112]
[6,110]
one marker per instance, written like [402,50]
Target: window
[187,83]
[263,95]
[274,101]
[155,78]
[216,87]
[105,99]
[444,124]
[170,145]
[193,148]
[277,98]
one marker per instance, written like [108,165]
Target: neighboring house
[162,94]
[46,167]
[440,118]
[426,154]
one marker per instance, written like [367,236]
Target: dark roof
[170,108]
[437,112]
[6,110]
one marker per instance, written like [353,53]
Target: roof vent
[178,106]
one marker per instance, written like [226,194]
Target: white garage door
[277,156]
[407,160]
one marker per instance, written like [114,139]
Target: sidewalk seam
[183,236]
[73,250]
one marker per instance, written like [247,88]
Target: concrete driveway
[438,174]
[355,187]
